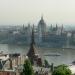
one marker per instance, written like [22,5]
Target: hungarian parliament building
[45,35]
[50,36]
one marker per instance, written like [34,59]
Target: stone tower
[32,51]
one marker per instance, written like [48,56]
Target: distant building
[60,30]
[41,29]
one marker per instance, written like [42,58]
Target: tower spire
[32,36]
[42,17]
[31,53]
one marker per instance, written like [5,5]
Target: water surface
[66,55]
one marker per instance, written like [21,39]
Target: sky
[30,11]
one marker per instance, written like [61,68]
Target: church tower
[32,51]
[32,54]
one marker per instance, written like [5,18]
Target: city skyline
[26,11]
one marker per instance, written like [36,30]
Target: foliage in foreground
[62,70]
[46,63]
[27,68]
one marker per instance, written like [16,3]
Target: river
[67,55]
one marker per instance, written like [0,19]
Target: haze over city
[30,11]
[37,37]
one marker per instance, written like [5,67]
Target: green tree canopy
[62,70]
[27,68]
[46,63]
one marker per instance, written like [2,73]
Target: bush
[27,68]
[62,70]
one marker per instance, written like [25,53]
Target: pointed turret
[62,29]
[32,37]
[51,27]
[56,26]
[42,17]
[32,54]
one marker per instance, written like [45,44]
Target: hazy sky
[24,11]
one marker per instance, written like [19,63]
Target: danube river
[55,55]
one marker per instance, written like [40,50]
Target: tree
[27,68]
[62,70]
[46,63]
